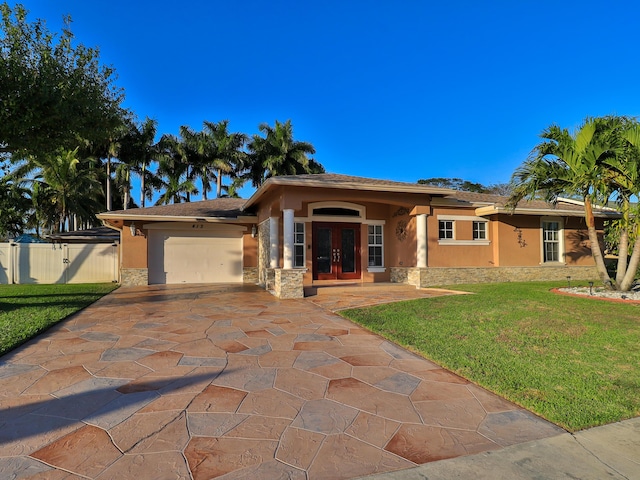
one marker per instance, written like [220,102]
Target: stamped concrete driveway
[205,381]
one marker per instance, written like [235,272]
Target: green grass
[573,361]
[27,310]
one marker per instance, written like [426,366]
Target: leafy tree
[277,153]
[594,163]
[53,94]
[503,189]
[455,184]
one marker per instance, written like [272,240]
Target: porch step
[355,287]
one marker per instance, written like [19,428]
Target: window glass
[298,245]
[551,241]
[445,229]
[375,246]
[479,230]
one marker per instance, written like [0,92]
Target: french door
[336,251]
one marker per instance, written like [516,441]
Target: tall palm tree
[14,207]
[173,172]
[226,155]
[137,152]
[196,152]
[277,153]
[72,185]
[625,174]
[566,163]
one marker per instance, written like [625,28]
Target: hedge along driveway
[574,361]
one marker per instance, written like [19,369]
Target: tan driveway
[202,381]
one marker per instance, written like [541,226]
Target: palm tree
[625,174]
[137,151]
[72,186]
[14,207]
[227,156]
[173,172]
[277,153]
[566,163]
[195,148]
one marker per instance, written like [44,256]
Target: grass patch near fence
[574,361]
[27,310]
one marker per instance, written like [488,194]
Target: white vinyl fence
[58,263]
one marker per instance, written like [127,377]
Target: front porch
[290,283]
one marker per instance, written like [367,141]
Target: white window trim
[304,244]
[465,218]
[361,209]
[486,231]
[464,242]
[453,228]
[379,268]
[561,252]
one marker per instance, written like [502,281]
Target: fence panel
[92,263]
[58,263]
[38,263]
[5,263]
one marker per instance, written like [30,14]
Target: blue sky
[398,90]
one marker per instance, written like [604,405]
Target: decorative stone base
[288,283]
[250,275]
[269,279]
[134,277]
[430,277]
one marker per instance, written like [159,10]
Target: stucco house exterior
[302,230]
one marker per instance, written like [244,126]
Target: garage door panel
[192,257]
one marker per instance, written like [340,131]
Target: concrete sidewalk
[611,451]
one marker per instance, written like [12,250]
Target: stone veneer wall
[263,253]
[288,283]
[134,277]
[250,275]
[428,277]
[269,280]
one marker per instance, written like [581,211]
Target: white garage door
[203,256]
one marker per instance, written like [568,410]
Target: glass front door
[336,251]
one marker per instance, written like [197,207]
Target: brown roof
[338,180]
[346,182]
[219,207]
[499,202]
[232,208]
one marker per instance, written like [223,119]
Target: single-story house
[301,230]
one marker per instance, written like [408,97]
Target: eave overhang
[494,209]
[176,218]
[343,185]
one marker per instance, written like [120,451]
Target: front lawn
[27,310]
[574,361]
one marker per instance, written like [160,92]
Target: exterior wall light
[132,228]
[254,231]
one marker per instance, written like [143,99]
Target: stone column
[287,229]
[421,240]
[273,243]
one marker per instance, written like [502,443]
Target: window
[479,230]
[445,229]
[375,246]
[551,241]
[298,245]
